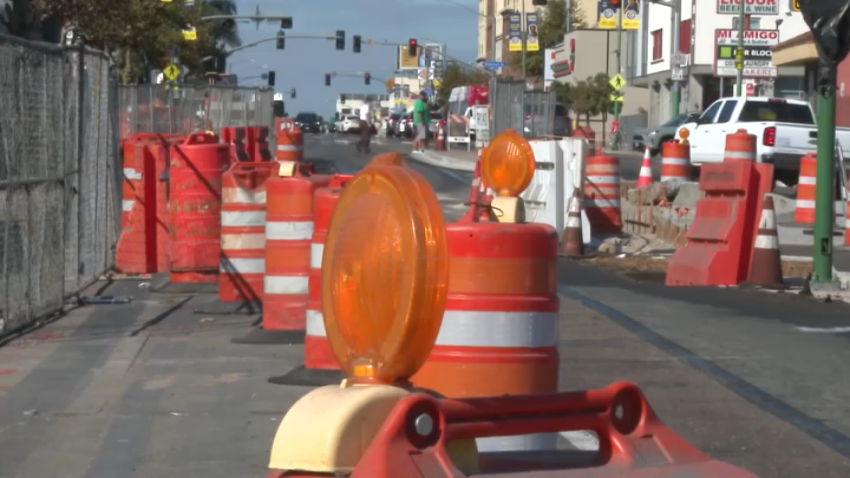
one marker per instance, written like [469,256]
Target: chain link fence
[59,176]
[184,109]
[531,112]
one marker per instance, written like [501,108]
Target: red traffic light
[367,77]
[411,47]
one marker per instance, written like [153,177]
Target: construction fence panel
[182,109]
[59,180]
[529,112]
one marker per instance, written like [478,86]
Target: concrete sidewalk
[457,160]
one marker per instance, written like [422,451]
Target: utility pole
[523,25]
[618,105]
[569,16]
[676,88]
[739,55]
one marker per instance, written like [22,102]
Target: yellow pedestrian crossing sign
[616,97]
[171,72]
[618,82]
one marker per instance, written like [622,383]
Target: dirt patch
[649,268]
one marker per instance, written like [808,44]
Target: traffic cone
[766,268]
[572,244]
[645,176]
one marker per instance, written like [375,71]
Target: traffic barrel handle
[339,180]
[200,137]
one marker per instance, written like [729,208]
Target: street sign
[756,56]
[172,72]
[616,97]
[494,65]
[677,73]
[618,82]
[751,7]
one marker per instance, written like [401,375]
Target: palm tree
[225,31]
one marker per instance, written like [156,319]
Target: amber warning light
[385,274]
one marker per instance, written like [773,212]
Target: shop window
[657,45]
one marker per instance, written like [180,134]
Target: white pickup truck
[785,129]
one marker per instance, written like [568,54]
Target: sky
[304,62]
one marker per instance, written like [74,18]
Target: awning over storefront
[799,50]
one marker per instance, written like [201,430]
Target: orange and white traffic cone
[572,244]
[645,176]
[766,268]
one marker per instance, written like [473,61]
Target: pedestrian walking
[421,120]
[365,129]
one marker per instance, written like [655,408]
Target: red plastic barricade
[235,137]
[720,239]
[144,244]
[635,443]
[197,166]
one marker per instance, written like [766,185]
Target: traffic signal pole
[825,195]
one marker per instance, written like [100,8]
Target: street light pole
[523,23]
[676,88]
[739,55]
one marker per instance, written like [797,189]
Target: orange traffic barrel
[243,232]
[675,161]
[740,146]
[602,194]
[499,334]
[289,233]
[317,349]
[804,211]
[197,166]
[290,141]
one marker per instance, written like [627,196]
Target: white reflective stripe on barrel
[316,323]
[316,251]
[600,202]
[127,205]
[242,196]
[289,230]
[807,180]
[498,329]
[677,161]
[806,203]
[242,265]
[243,241]
[131,173]
[285,284]
[740,154]
[243,218]
[604,179]
[289,147]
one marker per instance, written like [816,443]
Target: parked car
[785,131]
[655,137]
[309,122]
[406,128]
[436,118]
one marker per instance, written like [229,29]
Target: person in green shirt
[421,119]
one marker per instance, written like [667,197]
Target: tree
[140,33]
[589,97]
[551,31]
[455,76]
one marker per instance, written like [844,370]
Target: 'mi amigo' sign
[751,7]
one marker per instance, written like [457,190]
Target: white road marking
[823,330]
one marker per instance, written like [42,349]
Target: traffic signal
[368,78]
[342,99]
[271,78]
[411,47]
[293,94]
[286,23]
[281,40]
[356,41]
[327,79]
[340,39]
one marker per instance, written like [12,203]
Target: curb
[441,161]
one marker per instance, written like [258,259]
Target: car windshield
[351,118]
[675,121]
[307,118]
[776,110]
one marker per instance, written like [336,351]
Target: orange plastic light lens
[389,159]
[508,164]
[385,274]
[684,133]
